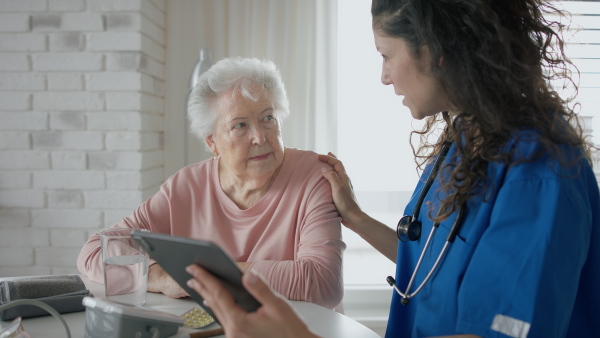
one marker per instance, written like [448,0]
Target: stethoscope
[409,229]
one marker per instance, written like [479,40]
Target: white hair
[239,74]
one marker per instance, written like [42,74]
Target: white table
[322,321]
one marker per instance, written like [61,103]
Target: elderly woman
[267,206]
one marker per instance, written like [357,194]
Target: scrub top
[525,263]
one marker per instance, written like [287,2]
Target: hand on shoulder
[342,191]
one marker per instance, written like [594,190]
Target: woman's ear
[211,144]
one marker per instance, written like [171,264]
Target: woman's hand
[275,318]
[160,281]
[342,191]
[244,266]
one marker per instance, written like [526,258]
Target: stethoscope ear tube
[457,224]
[392,282]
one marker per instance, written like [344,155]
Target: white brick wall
[14,22]
[23,120]
[81,111]
[15,180]
[14,101]
[14,62]
[22,42]
[66,5]
[23,6]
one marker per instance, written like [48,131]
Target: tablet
[175,253]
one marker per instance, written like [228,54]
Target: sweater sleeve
[315,275]
[155,210]
[89,261]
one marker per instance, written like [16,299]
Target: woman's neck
[243,191]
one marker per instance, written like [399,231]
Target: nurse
[513,197]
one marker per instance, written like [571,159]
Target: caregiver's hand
[275,318]
[343,193]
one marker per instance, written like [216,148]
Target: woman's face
[247,137]
[411,78]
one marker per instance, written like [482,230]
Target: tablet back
[174,253]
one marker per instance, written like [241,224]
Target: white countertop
[325,322]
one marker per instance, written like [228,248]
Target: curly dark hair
[498,60]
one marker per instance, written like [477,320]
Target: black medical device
[409,229]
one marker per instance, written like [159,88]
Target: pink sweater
[292,236]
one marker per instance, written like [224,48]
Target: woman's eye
[239,125]
[268,118]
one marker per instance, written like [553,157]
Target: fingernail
[324,169]
[191,283]
[188,269]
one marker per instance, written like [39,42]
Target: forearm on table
[305,280]
[315,275]
[89,261]
[313,278]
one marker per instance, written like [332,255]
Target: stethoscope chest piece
[408,229]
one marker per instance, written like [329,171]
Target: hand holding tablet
[175,253]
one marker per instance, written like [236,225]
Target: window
[584,50]
[373,140]
[373,143]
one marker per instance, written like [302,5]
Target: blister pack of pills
[197,318]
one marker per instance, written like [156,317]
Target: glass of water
[125,266]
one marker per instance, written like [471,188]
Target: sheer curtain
[301,37]
[298,35]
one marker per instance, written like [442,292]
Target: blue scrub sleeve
[524,274]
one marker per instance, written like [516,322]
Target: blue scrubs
[526,262]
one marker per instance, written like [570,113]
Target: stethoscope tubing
[431,177]
[433,269]
[407,295]
[449,240]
